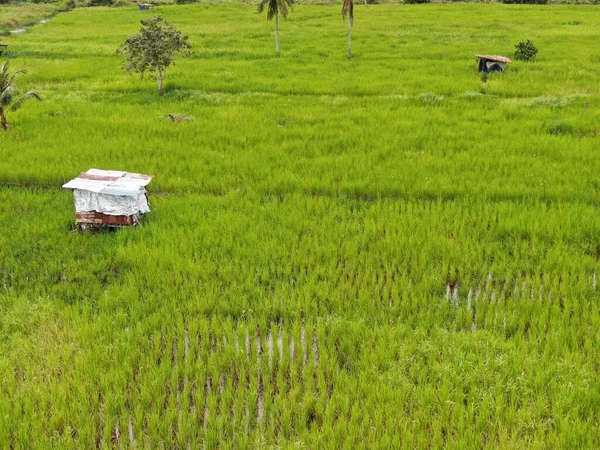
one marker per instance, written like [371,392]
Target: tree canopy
[154,49]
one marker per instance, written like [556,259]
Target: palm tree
[7,88]
[274,7]
[348,10]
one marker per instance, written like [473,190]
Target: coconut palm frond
[29,95]
[4,76]
[290,4]
[273,9]
[285,6]
[271,12]
[270,6]
[16,74]
[282,8]
[275,6]
[348,9]
[6,96]
[4,70]
[261,6]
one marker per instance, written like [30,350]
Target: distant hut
[109,198]
[492,63]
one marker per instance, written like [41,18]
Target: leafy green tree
[274,8]
[154,49]
[7,97]
[348,11]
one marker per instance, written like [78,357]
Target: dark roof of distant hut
[497,58]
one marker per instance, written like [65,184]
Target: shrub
[101,2]
[526,51]
[185,2]
[526,2]
[414,2]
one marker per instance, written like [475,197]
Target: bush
[526,51]
[185,2]
[526,2]
[414,2]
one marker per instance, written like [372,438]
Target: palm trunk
[3,121]
[277,32]
[350,19]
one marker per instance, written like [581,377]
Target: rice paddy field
[376,253]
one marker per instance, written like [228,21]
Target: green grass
[380,253]
[14,16]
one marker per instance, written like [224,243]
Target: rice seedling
[364,253]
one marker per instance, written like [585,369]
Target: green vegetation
[154,49]
[375,252]
[274,8]
[14,16]
[8,101]
[526,51]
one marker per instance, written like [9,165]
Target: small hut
[109,198]
[492,63]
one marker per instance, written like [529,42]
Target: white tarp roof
[110,182]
